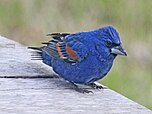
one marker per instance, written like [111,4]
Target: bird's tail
[37,55]
[35,48]
[40,54]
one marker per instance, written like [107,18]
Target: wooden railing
[30,87]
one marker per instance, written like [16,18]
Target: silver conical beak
[119,50]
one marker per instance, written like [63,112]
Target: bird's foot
[95,86]
[81,90]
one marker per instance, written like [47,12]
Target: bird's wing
[70,50]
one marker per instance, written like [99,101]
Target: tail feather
[45,43]
[35,48]
[37,55]
[36,59]
[58,36]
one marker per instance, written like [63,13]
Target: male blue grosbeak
[83,57]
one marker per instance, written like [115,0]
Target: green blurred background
[28,21]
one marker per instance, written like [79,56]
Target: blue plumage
[83,57]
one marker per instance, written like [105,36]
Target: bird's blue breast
[84,72]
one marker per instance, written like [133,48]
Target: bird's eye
[108,43]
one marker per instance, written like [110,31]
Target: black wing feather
[51,48]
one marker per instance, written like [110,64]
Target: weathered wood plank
[50,95]
[15,61]
[53,96]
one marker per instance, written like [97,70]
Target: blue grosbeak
[83,57]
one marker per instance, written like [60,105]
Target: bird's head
[111,41]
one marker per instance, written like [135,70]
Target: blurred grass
[27,21]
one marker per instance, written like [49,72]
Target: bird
[82,57]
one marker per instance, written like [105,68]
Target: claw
[95,86]
[83,90]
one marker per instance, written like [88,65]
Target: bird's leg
[80,89]
[94,85]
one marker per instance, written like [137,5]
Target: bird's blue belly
[83,72]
